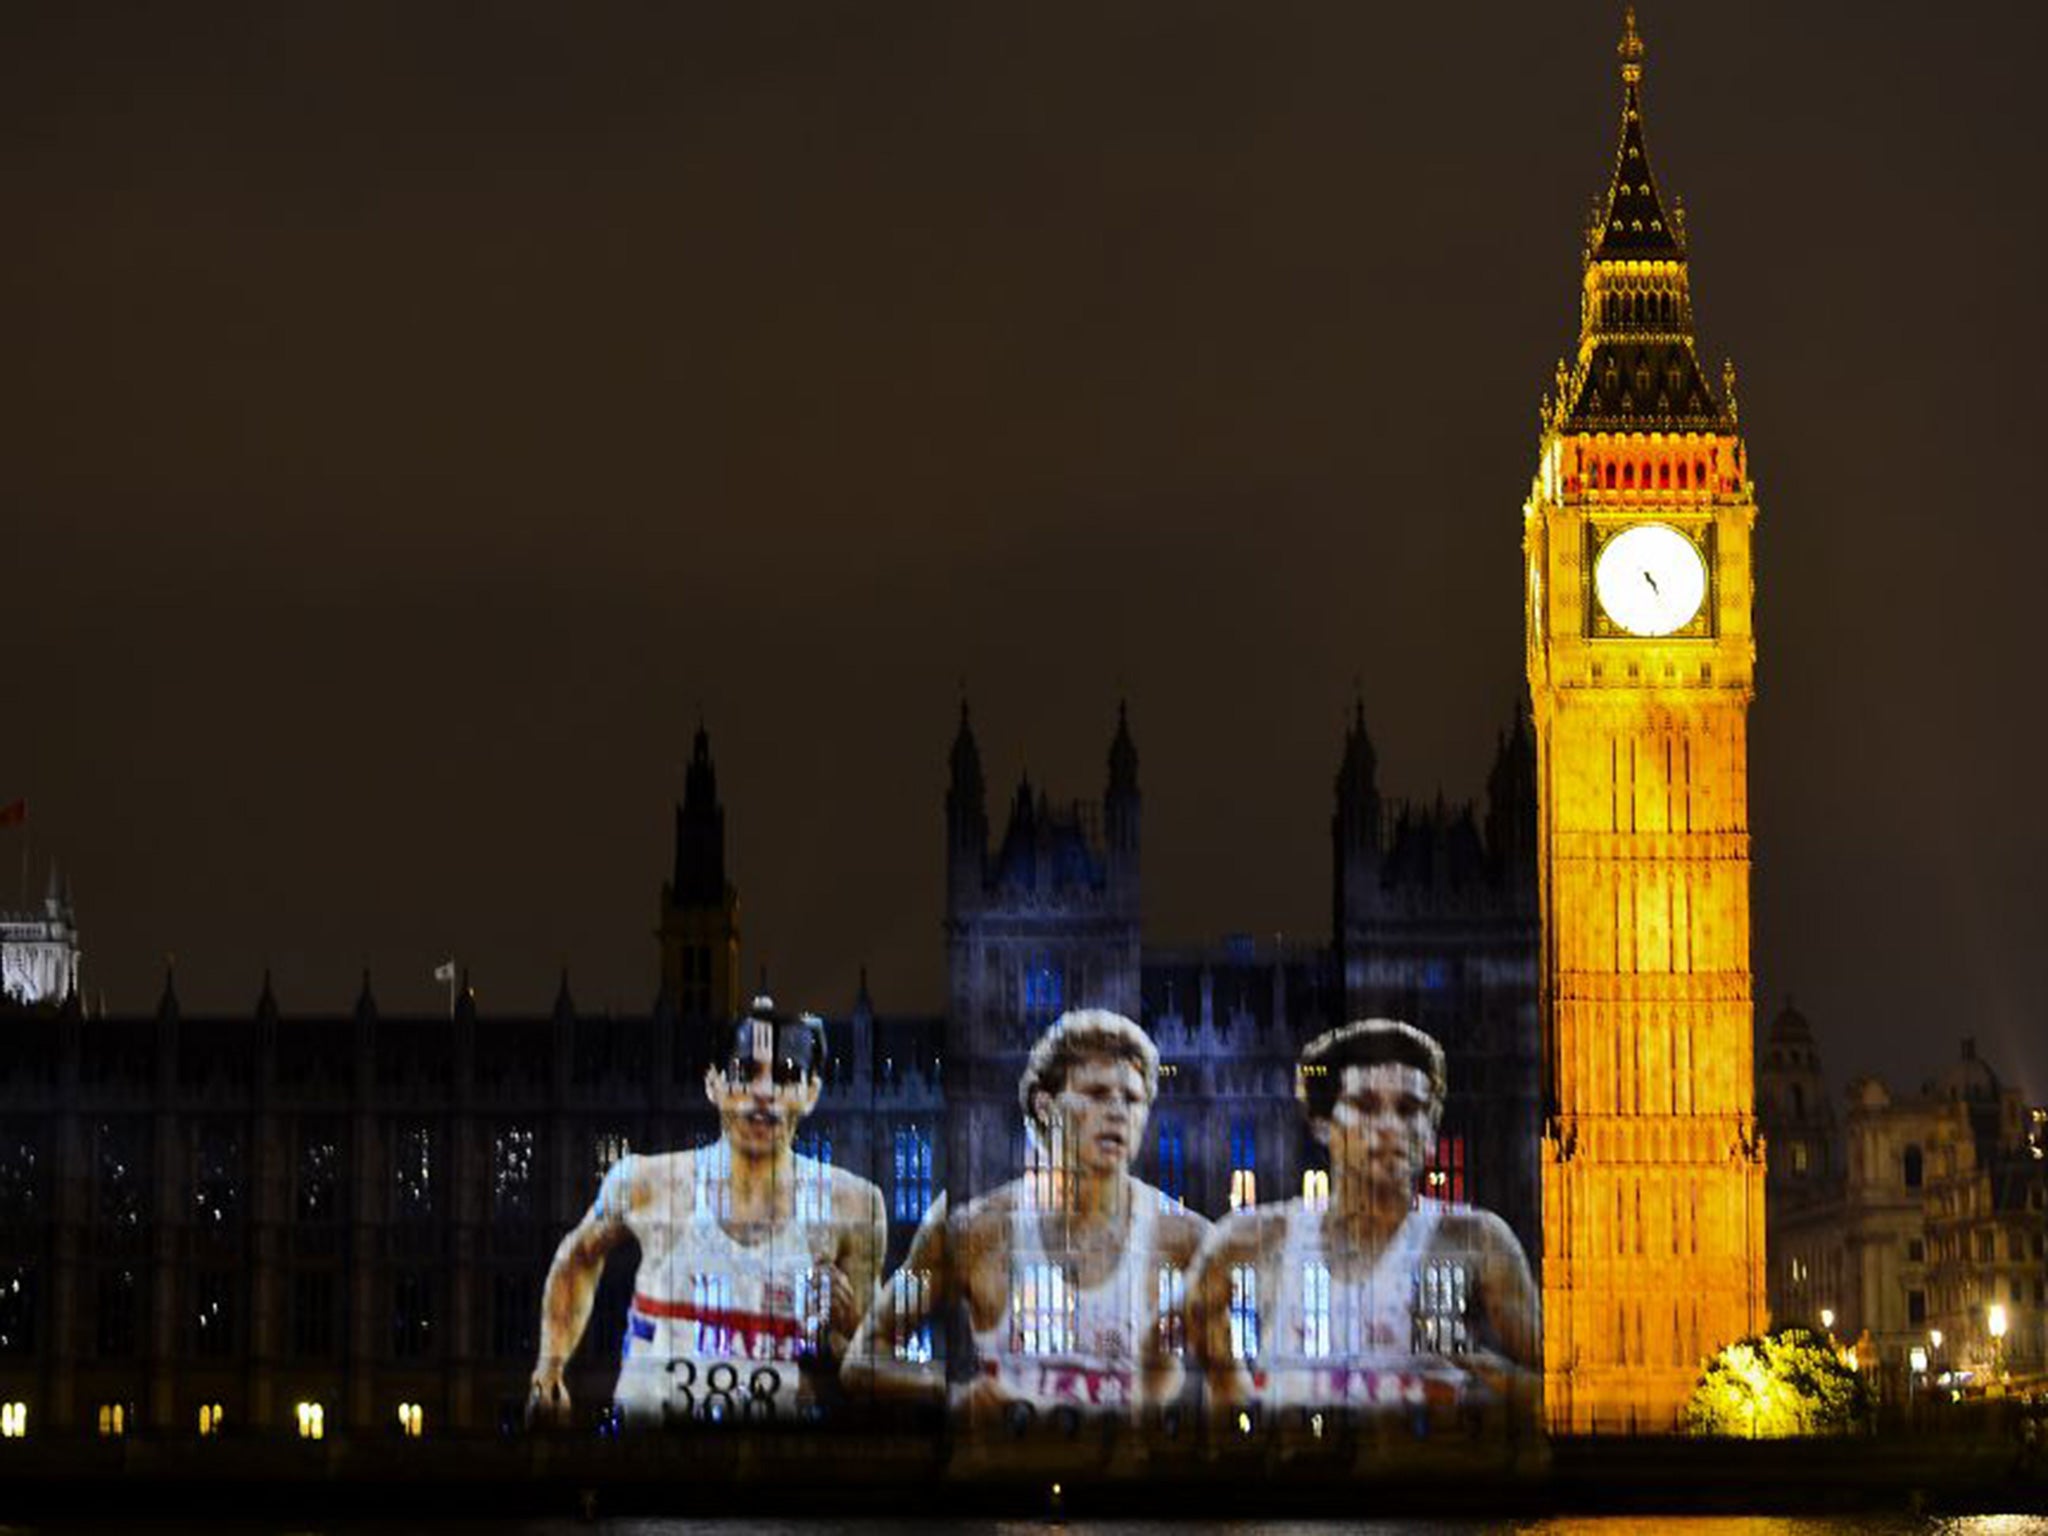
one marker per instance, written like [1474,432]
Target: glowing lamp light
[1994,1319]
[1917,1358]
[1934,1337]
[1827,1317]
[312,1421]
[412,1420]
[13,1421]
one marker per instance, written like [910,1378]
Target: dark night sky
[413,414]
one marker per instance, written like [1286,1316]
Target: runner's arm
[1226,1378]
[871,1364]
[570,1288]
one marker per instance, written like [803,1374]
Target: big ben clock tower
[1641,655]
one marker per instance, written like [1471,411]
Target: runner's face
[1102,1108]
[761,1094]
[1382,1127]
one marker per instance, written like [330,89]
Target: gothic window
[17,1310]
[1913,1166]
[1048,1168]
[607,1149]
[412,1173]
[1244,1311]
[711,1297]
[814,1177]
[1244,1165]
[21,1181]
[1315,1189]
[216,1178]
[1044,990]
[318,1194]
[412,1313]
[1173,1162]
[512,1172]
[1042,1314]
[1442,1302]
[120,1179]
[213,1315]
[115,1315]
[1445,1179]
[910,1290]
[911,1186]
[696,998]
[1315,1309]
[515,1311]
[312,1302]
[1169,1306]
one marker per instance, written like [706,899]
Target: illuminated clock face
[1650,579]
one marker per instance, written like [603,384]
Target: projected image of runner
[1072,1276]
[756,1263]
[1372,1297]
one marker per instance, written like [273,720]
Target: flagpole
[451,992]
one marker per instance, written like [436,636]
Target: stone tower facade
[1435,923]
[700,908]
[1641,656]
[1043,921]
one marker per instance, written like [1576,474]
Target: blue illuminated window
[1045,990]
[1244,1311]
[912,1165]
[1173,1162]
[814,1176]
[1244,1165]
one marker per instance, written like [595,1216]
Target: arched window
[1914,1167]
[1628,477]
[1663,474]
[1681,474]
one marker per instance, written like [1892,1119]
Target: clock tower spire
[1641,662]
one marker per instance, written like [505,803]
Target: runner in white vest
[1379,1298]
[755,1263]
[1072,1276]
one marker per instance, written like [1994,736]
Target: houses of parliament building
[216,1222]
[286,1223]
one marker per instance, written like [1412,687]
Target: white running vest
[1332,1341]
[717,1327]
[1061,1345]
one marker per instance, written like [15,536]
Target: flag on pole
[445,971]
[14,813]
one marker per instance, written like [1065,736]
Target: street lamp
[1827,1318]
[1994,1319]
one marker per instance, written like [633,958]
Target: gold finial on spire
[1631,48]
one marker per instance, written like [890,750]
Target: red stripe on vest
[728,1319]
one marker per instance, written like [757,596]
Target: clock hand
[1653,583]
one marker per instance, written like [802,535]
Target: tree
[1788,1382]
